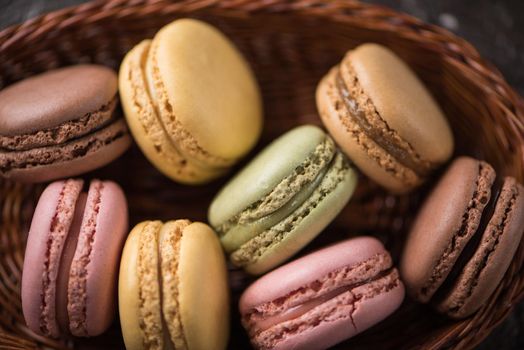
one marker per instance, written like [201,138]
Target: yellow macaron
[172,289]
[191,101]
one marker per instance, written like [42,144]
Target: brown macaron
[464,238]
[60,123]
[383,118]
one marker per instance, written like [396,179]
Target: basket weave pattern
[290,45]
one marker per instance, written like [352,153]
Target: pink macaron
[71,258]
[322,298]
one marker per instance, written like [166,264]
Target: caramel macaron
[60,123]
[173,291]
[464,238]
[191,101]
[384,118]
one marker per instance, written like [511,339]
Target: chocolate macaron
[464,238]
[383,118]
[60,123]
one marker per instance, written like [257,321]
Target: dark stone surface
[495,28]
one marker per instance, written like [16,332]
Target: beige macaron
[172,288]
[191,101]
[384,118]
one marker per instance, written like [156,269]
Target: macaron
[464,238]
[173,291]
[70,271]
[384,118]
[191,101]
[60,123]
[282,199]
[322,298]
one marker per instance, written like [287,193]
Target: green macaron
[282,199]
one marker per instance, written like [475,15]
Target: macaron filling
[334,296]
[70,150]
[255,248]
[364,114]
[62,133]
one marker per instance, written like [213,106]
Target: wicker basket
[290,45]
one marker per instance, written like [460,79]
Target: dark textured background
[495,28]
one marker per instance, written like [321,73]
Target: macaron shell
[493,256]
[169,242]
[35,253]
[228,121]
[402,100]
[65,265]
[371,159]
[128,290]
[147,129]
[102,270]
[443,212]
[52,98]
[371,311]
[310,226]
[264,172]
[322,336]
[204,294]
[73,167]
[309,268]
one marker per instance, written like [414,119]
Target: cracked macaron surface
[282,199]
[193,127]
[383,118]
[463,238]
[322,298]
[71,260]
[173,287]
[60,123]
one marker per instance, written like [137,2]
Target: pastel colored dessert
[383,118]
[71,260]
[464,238]
[191,101]
[173,291]
[282,199]
[60,123]
[322,298]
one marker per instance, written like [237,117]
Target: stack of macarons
[192,105]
